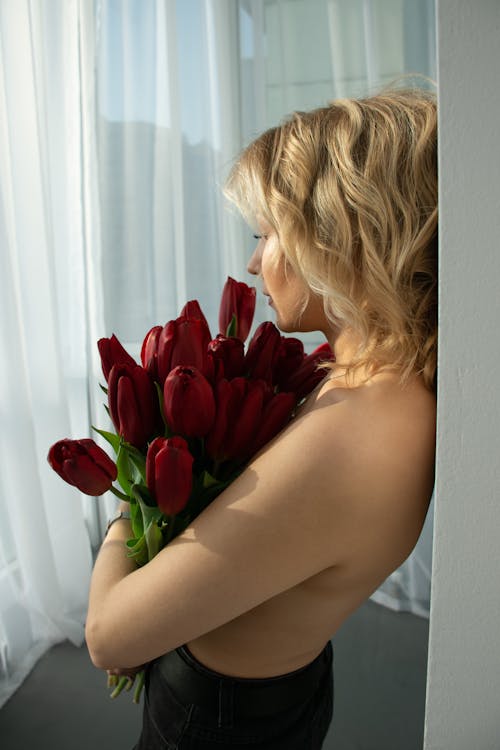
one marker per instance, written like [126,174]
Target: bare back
[372,450]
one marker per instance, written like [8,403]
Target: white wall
[463,689]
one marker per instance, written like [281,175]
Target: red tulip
[149,351]
[169,473]
[83,464]
[193,311]
[184,341]
[237,299]
[263,351]
[113,353]
[250,400]
[224,416]
[133,404]
[275,415]
[289,357]
[240,403]
[189,403]
[228,355]
[308,375]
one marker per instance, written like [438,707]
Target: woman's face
[285,290]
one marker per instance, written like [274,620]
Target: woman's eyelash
[260,236]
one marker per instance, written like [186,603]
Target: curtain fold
[163,152]
[46,556]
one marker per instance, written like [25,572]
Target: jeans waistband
[193,683]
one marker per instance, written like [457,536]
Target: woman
[344,199]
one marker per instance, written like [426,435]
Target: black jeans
[190,707]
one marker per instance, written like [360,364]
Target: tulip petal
[189,403]
[173,476]
[113,353]
[99,457]
[149,351]
[305,378]
[229,351]
[246,421]
[154,447]
[191,345]
[82,472]
[274,417]
[193,311]
[166,340]
[238,299]
[262,351]
[129,415]
[214,441]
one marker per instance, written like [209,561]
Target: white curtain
[45,556]
[118,122]
[167,128]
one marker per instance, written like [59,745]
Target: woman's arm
[112,563]
[258,538]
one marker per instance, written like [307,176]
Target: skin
[265,576]
[285,291]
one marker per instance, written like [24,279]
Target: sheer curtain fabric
[45,556]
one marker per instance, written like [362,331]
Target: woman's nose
[253,265]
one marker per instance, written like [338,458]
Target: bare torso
[395,428]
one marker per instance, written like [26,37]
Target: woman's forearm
[111,566]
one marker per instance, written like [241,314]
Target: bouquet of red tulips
[189,417]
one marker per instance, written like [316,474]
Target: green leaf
[154,539]
[136,519]
[150,513]
[232,328]
[208,480]
[103,388]
[146,517]
[137,462]
[135,545]
[124,472]
[113,439]
[138,550]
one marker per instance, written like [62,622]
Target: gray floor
[380,666]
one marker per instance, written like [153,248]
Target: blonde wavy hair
[351,190]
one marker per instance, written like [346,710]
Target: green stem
[139,686]
[119,494]
[121,684]
[112,681]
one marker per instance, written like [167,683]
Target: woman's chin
[286,326]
